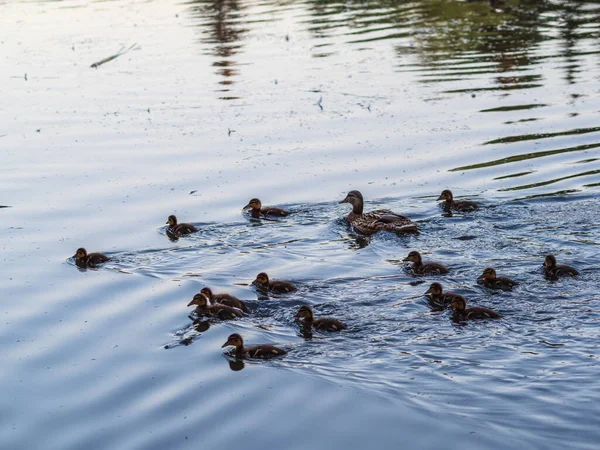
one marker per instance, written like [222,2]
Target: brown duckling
[421,268]
[459,306]
[438,296]
[204,308]
[450,203]
[263,283]
[489,279]
[323,324]
[374,221]
[257,210]
[553,270]
[224,299]
[180,228]
[256,351]
[85,259]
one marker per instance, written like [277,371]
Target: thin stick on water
[122,51]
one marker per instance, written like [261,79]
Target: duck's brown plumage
[205,308]
[554,271]
[439,297]
[257,210]
[263,283]
[85,259]
[378,220]
[489,279]
[461,205]
[459,306]
[180,229]
[224,299]
[420,268]
[256,351]
[323,324]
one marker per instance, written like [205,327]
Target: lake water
[297,103]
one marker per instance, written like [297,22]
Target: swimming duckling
[553,270]
[323,324]
[263,283]
[204,308]
[85,259]
[439,297]
[459,306]
[450,203]
[381,219]
[420,268]
[256,351]
[180,228]
[488,279]
[256,210]
[224,299]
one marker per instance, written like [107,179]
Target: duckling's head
[354,198]
[550,261]
[172,221]
[81,253]
[459,304]
[446,195]
[253,204]
[261,279]
[488,274]
[235,340]
[305,312]
[413,256]
[200,300]
[207,292]
[434,289]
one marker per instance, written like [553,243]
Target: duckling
[224,299]
[85,259]
[263,283]
[180,228]
[256,210]
[459,306]
[553,270]
[381,219]
[420,268]
[323,324]
[256,351]
[450,203]
[204,308]
[435,292]
[489,279]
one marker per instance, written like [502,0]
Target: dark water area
[297,103]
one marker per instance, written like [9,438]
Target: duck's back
[430,268]
[277,212]
[229,300]
[329,324]
[263,351]
[480,313]
[94,259]
[281,287]
[381,219]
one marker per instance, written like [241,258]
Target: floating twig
[319,103]
[122,51]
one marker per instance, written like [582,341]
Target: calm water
[297,103]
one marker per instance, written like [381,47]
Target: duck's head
[354,198]
[550,261]
[207,292]
[305,312]
[261,279]
[459,304]
[235,340]
[434,289]
[253,204]
[488,274]
[446,195]
[200,300]
[413,256]
[172,221]
[81,253]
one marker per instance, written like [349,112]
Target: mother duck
[378,220]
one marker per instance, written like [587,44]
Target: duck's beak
[226,344]
[406,259]
[246,207]
[480,277]
[344,201]
[428,292]
[191,303]
[440,198]
[167,222]
[298,315]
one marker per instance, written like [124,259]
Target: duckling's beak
[246,207]
[226,344]
[167,222]
[406,259]
[191,303]
[428,292]
[298,316]
[480,277]
[441,197]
